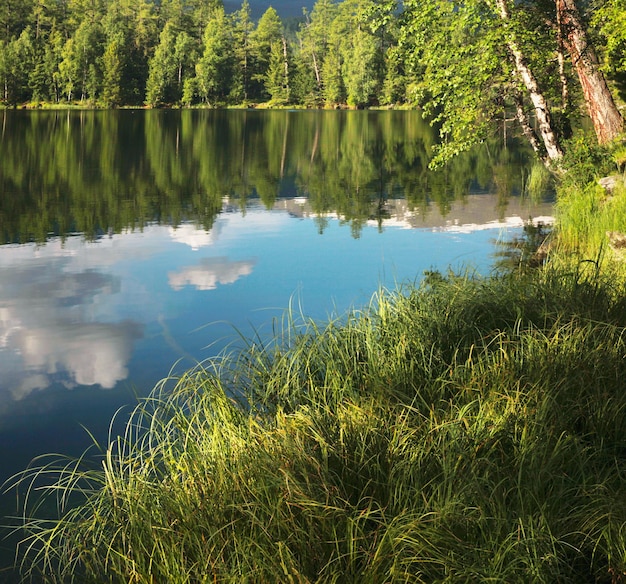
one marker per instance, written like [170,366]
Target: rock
[608,183]
[617,240]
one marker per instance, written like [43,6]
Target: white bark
[524,122]
[540,104]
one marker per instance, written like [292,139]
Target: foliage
[461,69]
[585,161]
[214,69]
[265,46]
[610,20]
[170,66]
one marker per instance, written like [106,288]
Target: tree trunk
[286,63]
[524,122]
[540,104]
[561,60]
[607,121]
[245,76]
[317,72]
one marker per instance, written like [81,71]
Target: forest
[465,63]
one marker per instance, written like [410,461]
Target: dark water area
[136,243]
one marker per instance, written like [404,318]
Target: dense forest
[466,63]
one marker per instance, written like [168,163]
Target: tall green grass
[539,182]
[467,430]
[587,216]
[586,213]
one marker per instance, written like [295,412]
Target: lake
[135,243]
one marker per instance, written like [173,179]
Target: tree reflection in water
[99,172]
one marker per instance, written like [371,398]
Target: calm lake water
[134,242]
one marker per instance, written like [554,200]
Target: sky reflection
[71,311]
[76,313]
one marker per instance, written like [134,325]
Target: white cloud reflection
[507,223]
[49,328]
[71,310]
[79,354]
[209,273]
[193,237]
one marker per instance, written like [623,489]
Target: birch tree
[525,72]
[469,62]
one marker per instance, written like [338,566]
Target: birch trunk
[540,104]
[524,122]
[607,121]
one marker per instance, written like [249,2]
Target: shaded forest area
[112,53]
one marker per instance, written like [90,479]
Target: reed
[539,182]
[588,215]
[467,429]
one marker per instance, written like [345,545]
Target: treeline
[132,52]
[465,63]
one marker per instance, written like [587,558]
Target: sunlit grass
[586,217]
[466,430]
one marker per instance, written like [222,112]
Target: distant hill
[285,8]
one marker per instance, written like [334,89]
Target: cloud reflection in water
[72,311]
[49,331]
[210,272]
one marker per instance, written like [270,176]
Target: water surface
[137,242]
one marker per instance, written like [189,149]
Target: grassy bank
[469,429]
[464,431]
[590,215]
